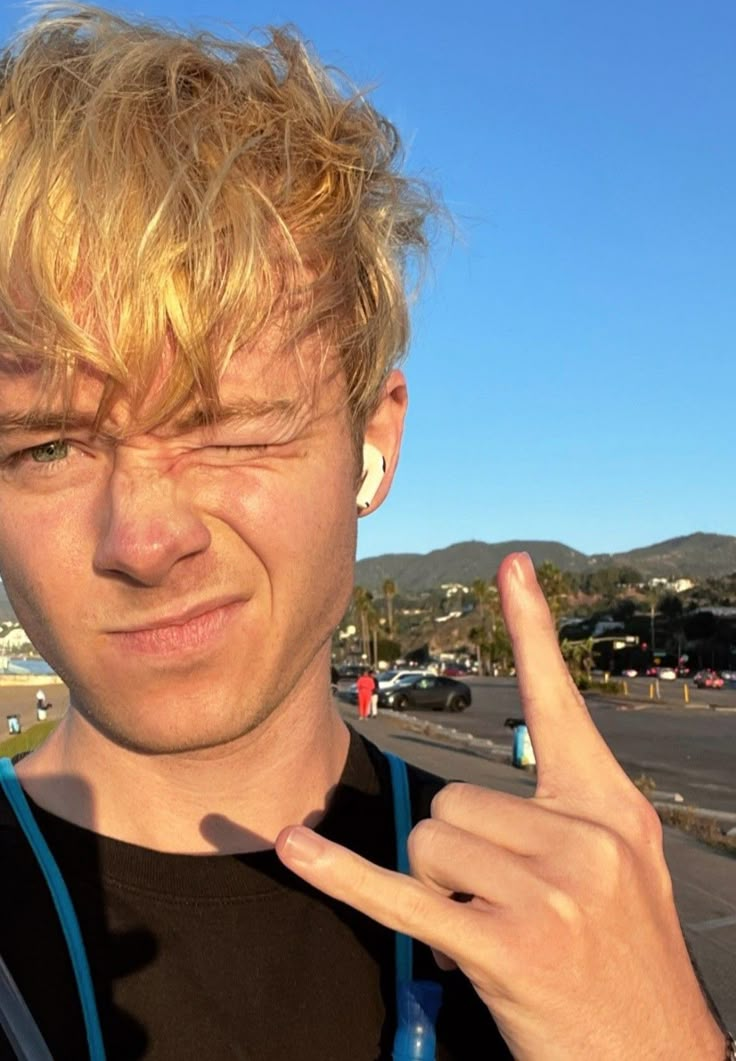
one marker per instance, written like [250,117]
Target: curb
[481,746]
[624,704]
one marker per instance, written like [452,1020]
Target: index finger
[565,739]
[396,900]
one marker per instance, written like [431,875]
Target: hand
[571,938]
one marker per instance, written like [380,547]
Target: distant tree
[652,597]
[389,592]
[623,609]
[555,587]
[388,649]
[672,610]
[605,583]
[478,636]
[578,655]
[503,653]
[364,610]
[629,576]
[480,590]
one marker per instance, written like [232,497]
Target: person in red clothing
[365,686]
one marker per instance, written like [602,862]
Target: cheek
[286,510]
[303,531]
[41,561]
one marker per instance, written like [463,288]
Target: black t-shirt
[223,957]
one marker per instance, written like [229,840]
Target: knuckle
[639,822]
[422,839]
[609,851]
[565,909]
[412,907]
[448,799]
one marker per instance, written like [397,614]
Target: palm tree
[578,655]
[389,592]
[480,590]
[478,637]
[362,601]
[653,596]
[555,587]
[373,622]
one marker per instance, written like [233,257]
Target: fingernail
[303,845]
[522,567]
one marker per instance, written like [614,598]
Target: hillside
[462,562]
[698,555]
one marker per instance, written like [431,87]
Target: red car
[708,679]
[451,670]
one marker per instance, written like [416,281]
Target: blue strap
[63,903]
[402,821]
[417,1001]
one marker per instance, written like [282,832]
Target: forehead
[262,380]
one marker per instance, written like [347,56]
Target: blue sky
[571,369]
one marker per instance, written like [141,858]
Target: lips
[198,627]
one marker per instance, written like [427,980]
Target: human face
[185,582]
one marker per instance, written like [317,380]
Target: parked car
[389,678]
[708,679]
[386,680]
[427,690]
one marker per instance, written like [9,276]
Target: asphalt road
[687,750]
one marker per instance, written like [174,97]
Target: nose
[149,526]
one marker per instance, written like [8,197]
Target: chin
[175,735]
[200,716]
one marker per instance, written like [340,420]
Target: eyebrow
[31,420]
[243,411]
[38,420]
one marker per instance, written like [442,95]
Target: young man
[201,309]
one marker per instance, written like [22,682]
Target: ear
[383,430]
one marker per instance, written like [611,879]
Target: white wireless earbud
[374,469]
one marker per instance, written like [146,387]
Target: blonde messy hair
[160,191]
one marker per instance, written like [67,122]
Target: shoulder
[423,785]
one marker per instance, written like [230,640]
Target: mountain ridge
[697,555]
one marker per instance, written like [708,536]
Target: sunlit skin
[186,585]
[571,936]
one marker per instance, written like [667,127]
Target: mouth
[195,628]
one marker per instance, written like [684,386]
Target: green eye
[49,452]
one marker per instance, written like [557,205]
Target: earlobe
[374,469]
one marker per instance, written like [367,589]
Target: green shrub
[592,686]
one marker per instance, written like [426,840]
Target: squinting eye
[48,452]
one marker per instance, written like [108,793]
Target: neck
[235,798]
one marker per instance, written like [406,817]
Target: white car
[388,678]
[666,674]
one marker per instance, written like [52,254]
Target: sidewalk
[704,881]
